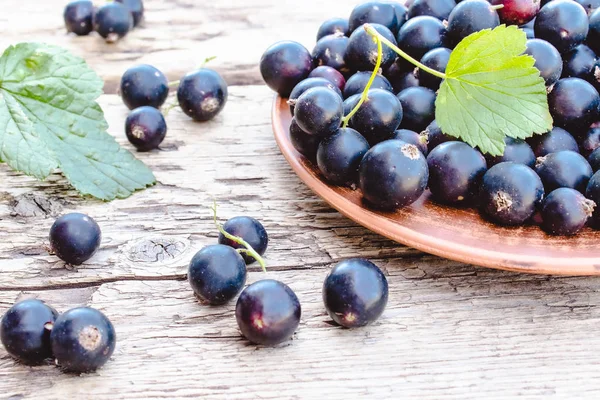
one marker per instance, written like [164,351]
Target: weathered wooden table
[449,331]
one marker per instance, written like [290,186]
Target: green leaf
[49,119]
[492,91]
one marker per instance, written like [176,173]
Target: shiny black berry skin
[378,117]
[355,293]
[268,312]
[350,103]
[136,7]
[564,23]
[357,83]
[573,104]
[580,63]
[340,154]
[401,14]
[510,193]
[594,160]
[249,229]
[202,94]
[455,172]
[217,274]
[329,51]
[593,39]
[75,238]
[517,151]
[418,106]
[25,331]
[393,174]
[517,12]
[83,339]
[590,141]
[144,85]
[333,26]
[284,65]
[361,53]
[435,136]
[331,74]
[556,140]
[304,143]
[439,9]
[592,192]
[421,34]
[306,84]
[547,60]
[145,128]
[319,111]
[373,12]
[412,137]
[113,21]
[78,16]
[564,169]
[468,17]
[589,5]
[565,211]
[436,59]
[400,79]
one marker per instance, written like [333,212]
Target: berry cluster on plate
[391,147]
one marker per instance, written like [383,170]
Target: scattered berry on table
[319,111]
[556,140]
[418,107]
[468,17]
[517,151]
[547,60]
[75,238]
[284,65]
[378,117]
[564,169]
[373,12]
[340,154]
[25,331]
[565,211]
[331,74]
[145,128]
[83,339]
[517,12]
[268,312]
[333,26]
[249,229]
[136,7]
[361,53]
[564,23]
[421,34]
[355,293]
[202,94]
[78,16]
[144,85]
[357,83]
[113,21]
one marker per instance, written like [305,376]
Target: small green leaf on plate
[492,91]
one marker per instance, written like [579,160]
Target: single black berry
[590,140]
[564,23]
[306,84]
[436,59]
[556,140]
[75,238]
[136,7]
[357,83]
[340,154]
[373,12]
[412,137]
[304,143]
[580,63]
[319,111]
[564,169]
[400,79]
[517,151]
[78,16]
[434,135]
[144,85]
[249,229]
[113,21]
[468,17]
[329,51]
[378,117]
[202,94]
[421,34]
[418,106]
[331,74]
[547,60]
[284,65]
[573,103]
[439,9]
[145,128]
[565,211]
[333,26]
[361,53]
[593,38]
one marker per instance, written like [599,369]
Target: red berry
[517,12]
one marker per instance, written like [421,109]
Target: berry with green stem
[362,52]
[357,83]
[249,229]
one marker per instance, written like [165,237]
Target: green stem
[207,60]
[174,83]
[497,7]
[402,54]
[248,248]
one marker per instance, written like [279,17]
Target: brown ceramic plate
[457,234]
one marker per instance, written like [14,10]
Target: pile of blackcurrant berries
[112,21]
[268,312]
[80,340]
[201,94]
[391,146]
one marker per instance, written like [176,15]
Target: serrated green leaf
[492,91]
[49,118]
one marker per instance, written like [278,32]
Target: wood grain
[451,331]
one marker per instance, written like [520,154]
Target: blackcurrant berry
[510,193]
[350,103]
[436,59]
[393,174]
[551,142]
[439,9]
[144,85]
[401,14]
[202,94]
[304,143]
[565,211]
[25,331]
[468,17]
[594,160]
[592,192]
[517,12]
[564,169]
[590,141]
[268,312]
[284,65]
[517,151]
[333,26]
[401,80]
[217,274]
[329,51]
[373,12]
[83,340]
[331,74]
[529,33]
[249,229]
[340,154]
[145,128]
[573,104]
[78,16]
[580,63]
[357,83]
[75,238]
[421,34]
[564,23]
[113,21]
[136,7]
[547,60]
[355,293]
[309,83]
[593,38]
[435,136]
[378,117]
[361,53]
[418,106]
[412,137]
[319,111]
[589,5]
